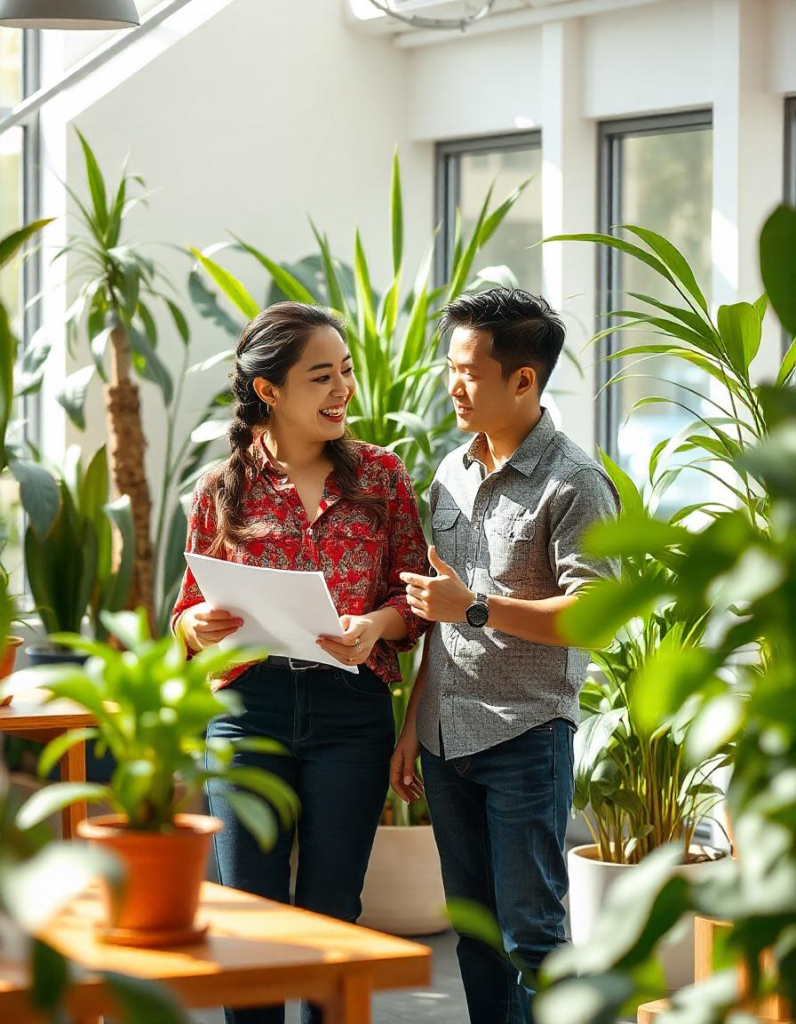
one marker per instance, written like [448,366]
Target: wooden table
[30,718]
[255,952]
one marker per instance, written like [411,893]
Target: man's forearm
[536,621]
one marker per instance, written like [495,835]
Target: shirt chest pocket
[509,535]
[443,527]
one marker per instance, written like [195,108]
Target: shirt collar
[526,457]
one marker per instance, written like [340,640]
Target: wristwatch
[477,613]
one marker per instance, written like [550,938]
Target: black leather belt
[293,664]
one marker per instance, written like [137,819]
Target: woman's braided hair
[269,346]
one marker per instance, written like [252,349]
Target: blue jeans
[339,733]
[500,819]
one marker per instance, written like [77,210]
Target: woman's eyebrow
[328,366]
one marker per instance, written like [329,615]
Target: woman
[298,493]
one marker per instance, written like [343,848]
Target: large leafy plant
[152,708]
[740,574]
[637,787]
[400,403]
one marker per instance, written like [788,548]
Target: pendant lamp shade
[68,14]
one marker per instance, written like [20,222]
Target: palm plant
[113,311]
[723,348]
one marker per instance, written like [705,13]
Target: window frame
[609,206]
[447,182]
[31,207]
[789,189]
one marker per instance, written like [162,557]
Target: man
[495,705]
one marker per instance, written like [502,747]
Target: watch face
[477,614]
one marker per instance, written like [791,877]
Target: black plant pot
[98,769]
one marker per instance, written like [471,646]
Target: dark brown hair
[525,330]
[269,346]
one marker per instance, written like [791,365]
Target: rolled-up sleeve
[584,498]
[408,552]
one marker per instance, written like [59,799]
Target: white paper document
[283,610]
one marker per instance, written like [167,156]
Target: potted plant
[152,708]
[78,568]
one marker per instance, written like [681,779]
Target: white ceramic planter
[403,892]
[589,881]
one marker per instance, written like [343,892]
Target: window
[19,204]
[657,173]
[465,171]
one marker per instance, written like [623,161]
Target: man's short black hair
[525,330]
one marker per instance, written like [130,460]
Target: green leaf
[150,366]
[50,977]
[207,305]
[96,185]
[11,244]
[604,607]
[292,288]
[621,246]
[120,513]
[180,322]
[56,748]
[230,286]
[740,330]
[39,494]
[787,366]
[72,395]
[778,264]
[256,816]
[143,1001]
[673,259]
[629,495]
[396,216]
[54,798]
[470,918]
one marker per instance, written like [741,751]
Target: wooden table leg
[73,769]
[351,1004]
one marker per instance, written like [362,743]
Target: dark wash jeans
[500,819]
[339,733]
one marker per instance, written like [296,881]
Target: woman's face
[312,402]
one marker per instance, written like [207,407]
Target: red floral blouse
[360,560]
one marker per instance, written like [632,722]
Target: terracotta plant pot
[589,881]
[164,873]
[8,659]
[403,892]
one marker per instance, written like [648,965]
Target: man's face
[483,399]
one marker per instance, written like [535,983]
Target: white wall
[271,108]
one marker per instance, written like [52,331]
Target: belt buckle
[305,667]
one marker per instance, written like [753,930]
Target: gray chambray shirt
[515,532]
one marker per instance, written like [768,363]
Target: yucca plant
[113,315]
[723,348]
[400,403]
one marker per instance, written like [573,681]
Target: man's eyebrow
[464,366]
[328,366]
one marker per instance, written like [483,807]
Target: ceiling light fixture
[399,10]
[68,14]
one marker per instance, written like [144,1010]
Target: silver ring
[357,642]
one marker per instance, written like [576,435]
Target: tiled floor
[443,1003]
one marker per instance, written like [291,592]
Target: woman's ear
[265,391]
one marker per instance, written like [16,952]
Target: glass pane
[666,186]
[10,67]
[11,143]
[523,225]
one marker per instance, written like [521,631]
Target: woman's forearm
[390,623]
